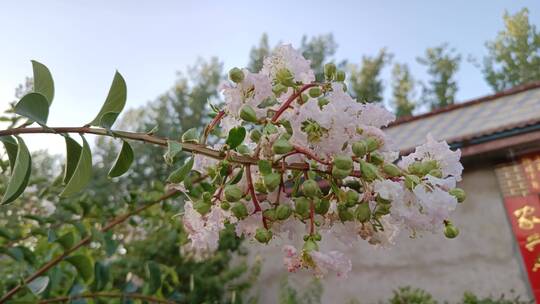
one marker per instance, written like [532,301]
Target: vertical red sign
[520,185]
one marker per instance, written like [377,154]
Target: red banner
[520,185]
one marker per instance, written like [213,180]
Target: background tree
[319,49]
[258,53]
[514,55]
[402,90]
[365,82]
[442,63]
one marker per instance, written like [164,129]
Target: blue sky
[84,42]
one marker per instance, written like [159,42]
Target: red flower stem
[310,155]
[288,102]
[254,195]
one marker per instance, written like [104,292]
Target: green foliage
[442,65]
[365,82]
[408,295]
[514,55]
[318,49]
[311,294]
[114,103]
[402,90]
[258,53]
[123,161]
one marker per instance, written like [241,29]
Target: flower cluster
[303,159]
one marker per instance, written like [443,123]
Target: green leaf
[115,102]
[173,148]
[123,161]
[154,277]
[38,285]
[73,154]
[84,266]
[11,149]
[43,81]
[110,244]
[236,137]
[179,174]
[101,276]
[191,135]
[21,173]
[34,106]
[82,173]
[265,167]
[67,240]
[5,234]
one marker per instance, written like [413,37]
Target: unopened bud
[450,231]
[263,235]
[236,75]
[360,148]
[351,198]
[270,214]
[233,193]
[322,206]
[255,135]
[322,102]
[343,162]
[310,245]
[225,205]
[339,173]
[239,210]
[202,207]
[376,158]
[310,188]
[281,146]
[416,168]
[301,207]
[315,92]
[279,89]
[391,170]
[372,144]
[329,70]
[369,171]
[459,194]
[436,173]
[271,181]
[340,76]
[362,212]
[345,214]
[248,114]
[283,212]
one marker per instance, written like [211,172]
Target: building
[498,249]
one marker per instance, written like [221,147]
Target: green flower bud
[270,214]
[343,162]
[255,135]
[271,181]
[248,114]
[340,76]
[263,235]
[376,158]
[239,210]
[459,194]
[450,231]
[301,207]
[243,149]
[436,173]
[322,102]
[236,75]
[315,92]
[372,144]
[310,188]
[339,173]
[310,245]
[429,165]
[283,212]
[279,89]
[259,186]
[416,168]
[345,214]
[382,209]
[317,237]
[362,212]
[329,70]
[202,207]
[411,181]
[369,171]
[304,99]
[225,205]
[285,77]
[351,198]
[391,170]
[233,193]
[282,146]
[360,148]
[322,206]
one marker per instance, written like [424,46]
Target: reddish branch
[310,155]
[212,125]
[254,195]
[290,100]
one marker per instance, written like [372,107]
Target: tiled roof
[515,108]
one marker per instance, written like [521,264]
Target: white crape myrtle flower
[299,160]
[447,159]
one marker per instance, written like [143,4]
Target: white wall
[483,259]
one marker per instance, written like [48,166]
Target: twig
[288,102]
[94,295]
